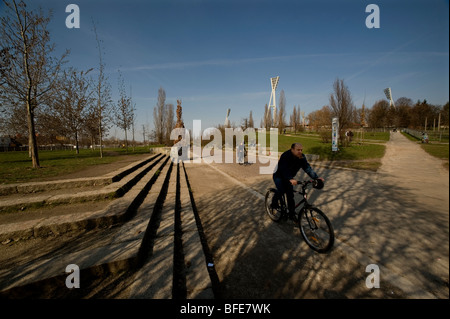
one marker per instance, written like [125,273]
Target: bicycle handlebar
[304,184]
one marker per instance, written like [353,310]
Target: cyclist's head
[297,149]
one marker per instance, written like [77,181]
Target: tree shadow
[258,258]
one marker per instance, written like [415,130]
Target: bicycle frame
[302,192]
[315,227]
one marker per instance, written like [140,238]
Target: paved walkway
[394,218]
[406,165]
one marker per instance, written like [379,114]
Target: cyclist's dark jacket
[289,165]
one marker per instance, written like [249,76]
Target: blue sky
[217,54]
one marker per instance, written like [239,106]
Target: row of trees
[403,114]
[163,119]
[406,113]
[41,98]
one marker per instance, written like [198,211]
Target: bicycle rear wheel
[274,214]
[316,229]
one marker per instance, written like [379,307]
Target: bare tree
[123,111]
[445,114]
[132,118]
[250,120]
[70,107]
[169,121]
[295,119]
[159,116]
[28,72]
[378,114]
[102,107]
[321,118]
[266,120]
[342,105]
[144,132]
[298,119]
[281,112]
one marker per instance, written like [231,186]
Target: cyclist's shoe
[293,218]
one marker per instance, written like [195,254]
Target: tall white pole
[272,101]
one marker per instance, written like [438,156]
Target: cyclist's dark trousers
[285,187]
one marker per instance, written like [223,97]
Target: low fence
[441,136]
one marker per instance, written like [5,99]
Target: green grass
[378,136]
[359,156]
[436,149]
[15,167]
[353,152]
[368,136]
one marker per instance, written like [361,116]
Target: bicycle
[314,225]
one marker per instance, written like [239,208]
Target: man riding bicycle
[290,162]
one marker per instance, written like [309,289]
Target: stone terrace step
[116,184]
[34,187]
[147,242]
[116,211]
[116,254]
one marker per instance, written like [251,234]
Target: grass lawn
[436,149]
[315,146]
[368,136]
[15,167]
[362,156]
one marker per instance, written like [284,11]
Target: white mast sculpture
[272,101]
[227,122]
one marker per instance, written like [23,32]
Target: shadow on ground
[257,258]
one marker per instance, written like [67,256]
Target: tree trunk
[33,149]
[76,142]
[126,141]
[100,133]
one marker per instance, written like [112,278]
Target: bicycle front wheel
[274,213]
[316,229]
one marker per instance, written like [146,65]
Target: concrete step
[116,211]
[117,253]
[36,187]
[159,240]
[198,281]
[114,185]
